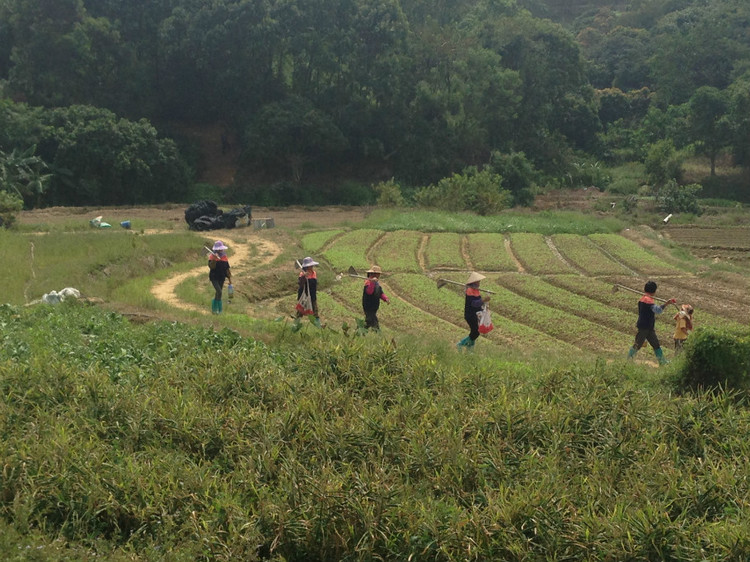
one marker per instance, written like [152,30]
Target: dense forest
[324,99]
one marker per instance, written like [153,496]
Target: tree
[292,133]
[739,119]
[113,161]
[22,173]
[709,124]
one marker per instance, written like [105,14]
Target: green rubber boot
[297,325]
[470,344]
[660,356]
[316,321]
[213,306]
[631,352]
[464,342]
[219,306]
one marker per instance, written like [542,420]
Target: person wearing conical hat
[472,305]
[218,272]
[372,294]
[308,282]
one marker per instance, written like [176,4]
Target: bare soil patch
[289,217]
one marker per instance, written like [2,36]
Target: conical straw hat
[474,278]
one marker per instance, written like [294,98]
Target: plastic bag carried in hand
[304,304]
[485,320]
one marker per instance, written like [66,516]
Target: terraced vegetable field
[556,293]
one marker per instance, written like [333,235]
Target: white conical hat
[474,278]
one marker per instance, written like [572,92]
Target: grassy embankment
[167,441]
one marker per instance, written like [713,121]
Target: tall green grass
[165,441]
[94,262]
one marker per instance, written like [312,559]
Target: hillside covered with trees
[320,100]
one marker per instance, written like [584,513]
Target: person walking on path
[372,294]
[683,326]
[307,284]
[472,305]
[648,310]
[219,271]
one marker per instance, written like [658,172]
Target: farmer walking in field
[683,326]
[647,312]
[307,293]
[372,294]
[218,266]
[472,305]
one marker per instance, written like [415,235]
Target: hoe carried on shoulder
[616,287]
[444,282]
[353,273]
[210,251]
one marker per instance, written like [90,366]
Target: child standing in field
[307,283]
[372,294]
[472,305]
[647,312]
[218,272]
[683,326]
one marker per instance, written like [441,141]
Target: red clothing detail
[472,292]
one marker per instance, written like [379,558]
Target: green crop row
[350,249]
[488,253]
[399,315]
[624,304]
[535,255]
[584,254]
[398,251]
[541,291]
[448,303]
[556,323]
[444,250]
[314,241]
[632,255]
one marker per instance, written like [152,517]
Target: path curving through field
[165,290]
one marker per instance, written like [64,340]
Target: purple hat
[219,245]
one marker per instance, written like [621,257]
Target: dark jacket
[472,304]
[372,294]
[221,271]
[647,311]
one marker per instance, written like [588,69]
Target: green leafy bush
[586,174]
[475,191]
[716,358]
[10,204]
[663,162]
[389,194]
[675,198]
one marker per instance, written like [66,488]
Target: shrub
[716,358]
[675,198]
[663,162]
[518,174]
[475,191]
[389,193]
[587,174]
[10,204]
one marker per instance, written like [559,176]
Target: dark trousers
[644,335]
[218,286]
[371,319]
[473,322]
